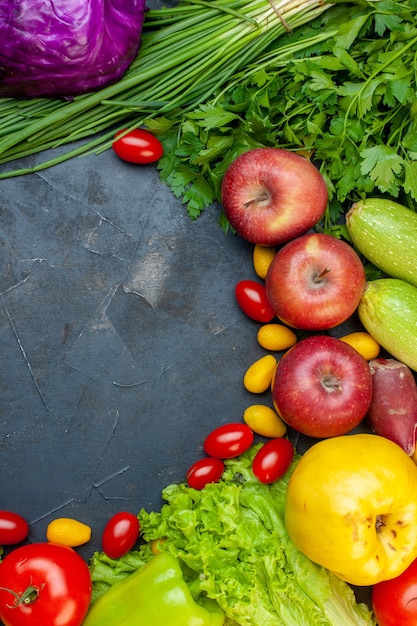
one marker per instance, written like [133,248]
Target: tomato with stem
[44,584]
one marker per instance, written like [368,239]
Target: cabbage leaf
[66,47]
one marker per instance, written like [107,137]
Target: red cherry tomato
[204,471]
[13,528]
[272,460]
[138,146]
[44,583]
[252,299]
[120,534]
[228,441]
[395,601]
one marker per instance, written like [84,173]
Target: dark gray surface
[122,346]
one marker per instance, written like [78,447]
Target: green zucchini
[385,232]
[388,311]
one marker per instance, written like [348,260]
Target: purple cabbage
[66,47]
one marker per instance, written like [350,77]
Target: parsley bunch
[342,90]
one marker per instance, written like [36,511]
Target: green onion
[188,52]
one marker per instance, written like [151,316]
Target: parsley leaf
[410,180]
[382,164]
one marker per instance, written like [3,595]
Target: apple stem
[331,383]
[319,277]
[261,198]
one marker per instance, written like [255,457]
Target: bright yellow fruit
[351,507]
[68,532]
[276,337]
[363,343]
[258,376]
[264,421]
[262,259]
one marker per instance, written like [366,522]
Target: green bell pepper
[155,594]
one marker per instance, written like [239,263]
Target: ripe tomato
[204,471]
[138,146]
[272,460]
[13,528]
[44,584]
[252,299]
[120,534]
[395,601]
[228,441]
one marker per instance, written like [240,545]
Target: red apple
[271,195]
[322,387]
[315,282]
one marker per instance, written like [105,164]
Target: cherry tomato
[13,528]
[44,583]
[138,146]
[252,299]
[272,460]
[204,471]
[228,441]
[395,601]
[120,534]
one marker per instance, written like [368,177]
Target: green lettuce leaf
[232,542]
